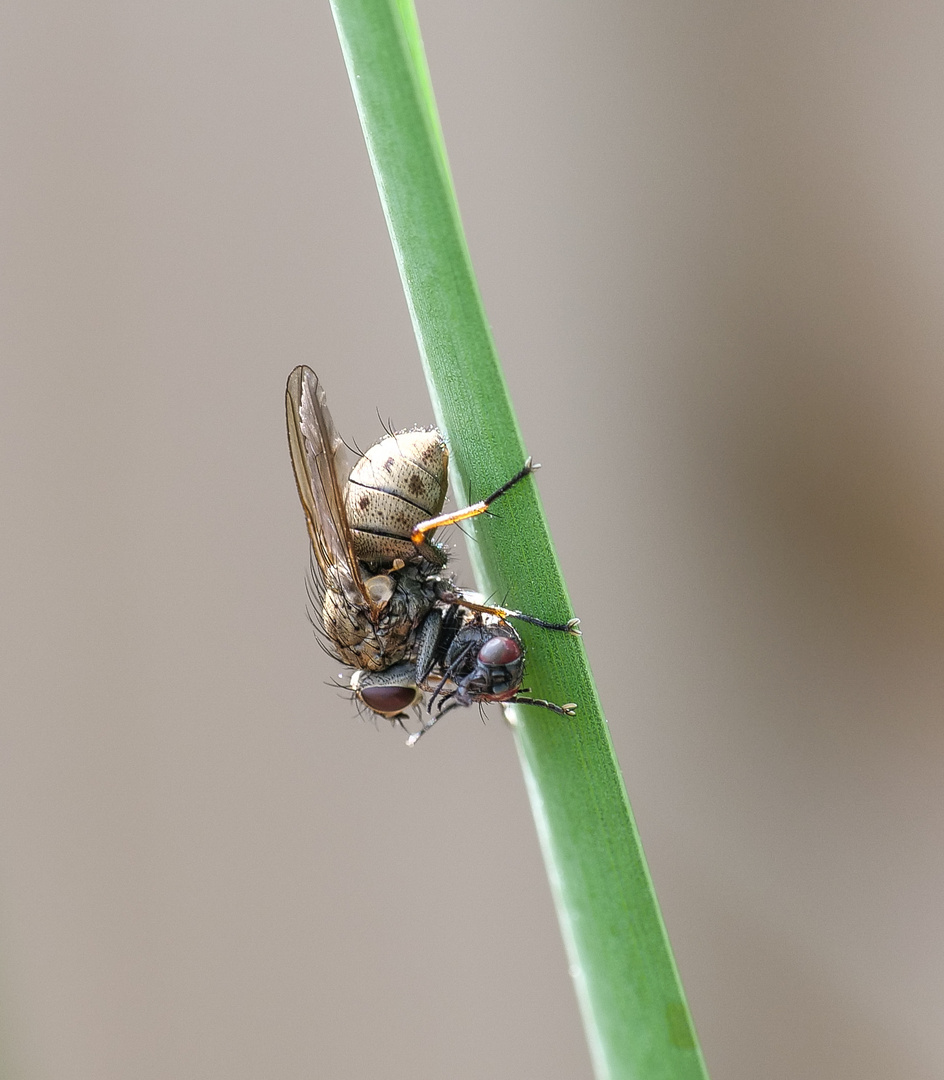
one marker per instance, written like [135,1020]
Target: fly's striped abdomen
[398,483]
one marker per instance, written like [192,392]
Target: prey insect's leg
[572,626]
[424,527]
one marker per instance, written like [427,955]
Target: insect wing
[320,466]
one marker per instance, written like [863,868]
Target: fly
[384,605]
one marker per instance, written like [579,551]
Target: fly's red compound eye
[499,651]
[388,699]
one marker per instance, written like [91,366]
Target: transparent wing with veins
[321,471]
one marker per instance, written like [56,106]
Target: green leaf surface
[632,1002]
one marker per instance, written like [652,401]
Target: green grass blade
[630,996]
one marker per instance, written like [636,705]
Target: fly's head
[485,662]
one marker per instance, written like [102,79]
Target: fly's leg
[415,737]
[424,527]
[398,721]
[427,724]
[519,699]
[572,626]
[440,713]
[570,709]
[460,599]
[448,675]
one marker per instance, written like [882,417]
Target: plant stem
[632,1002]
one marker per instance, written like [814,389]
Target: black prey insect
[382,600]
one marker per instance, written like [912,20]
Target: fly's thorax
[396,484]
[373,640]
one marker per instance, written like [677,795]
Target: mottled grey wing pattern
[321,471]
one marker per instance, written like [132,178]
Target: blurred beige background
[711,242]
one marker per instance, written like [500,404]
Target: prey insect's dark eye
[388,699]
[498,651]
